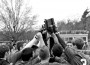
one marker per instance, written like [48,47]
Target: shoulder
[86,57]
[3,62]
[15,57]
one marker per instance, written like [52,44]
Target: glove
[54,29]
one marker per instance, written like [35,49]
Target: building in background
[69,35]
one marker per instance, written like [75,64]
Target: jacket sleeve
[61,41]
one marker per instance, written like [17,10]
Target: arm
[35,40]
[60,40]
[69,52]
[32,42]
[52,30]
[41,41]
[55,38]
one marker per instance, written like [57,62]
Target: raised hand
[38,36]
[55,29]
[50,29]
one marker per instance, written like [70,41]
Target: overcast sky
[59,9]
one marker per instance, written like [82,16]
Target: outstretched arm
[61,41]
[41,41]
[37,40]
[32,42]
[52,30]
[55,38]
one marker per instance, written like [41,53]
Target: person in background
[4,52]
[43,57]
[10,52]
[19,55]
[57,49]
[24,44]
[69,44]
[10,46]
[71,53]
[42,52]
[19,45]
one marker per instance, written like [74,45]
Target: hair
[57,50]
[19,44]
[3,50]
[79,42]
[44,53]
[27,53]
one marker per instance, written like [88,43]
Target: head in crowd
[4,49]
[44,53]
[14,46]
[19,45]
[69,44]
[10,46]
[78,43]
[57,50]
[27,53]
[24,44]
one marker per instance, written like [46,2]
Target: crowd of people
[46,47]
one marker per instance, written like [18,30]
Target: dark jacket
[4,62]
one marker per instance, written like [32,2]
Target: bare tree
[16,18]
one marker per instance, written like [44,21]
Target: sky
[59,9]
